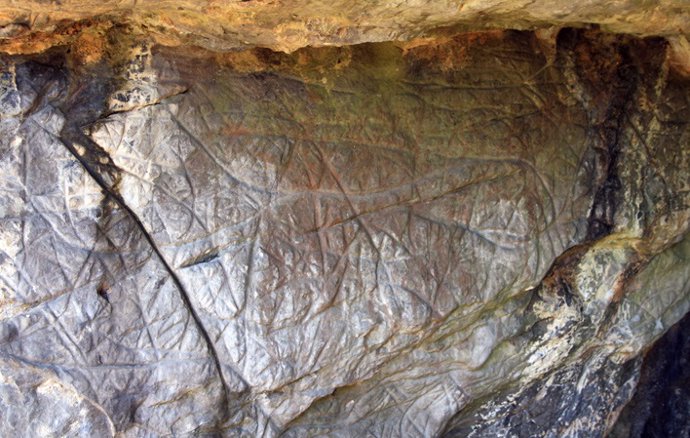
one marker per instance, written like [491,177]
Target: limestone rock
[478,234]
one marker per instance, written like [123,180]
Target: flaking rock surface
[471,236]
[288,25]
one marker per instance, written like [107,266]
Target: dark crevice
[608,78]
[602,215]
[206,257]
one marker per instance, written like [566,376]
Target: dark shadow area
[660,406]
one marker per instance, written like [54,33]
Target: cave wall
[660,405]
[476,234]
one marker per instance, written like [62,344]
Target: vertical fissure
[601,220]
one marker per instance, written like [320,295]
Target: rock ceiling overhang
[290,25]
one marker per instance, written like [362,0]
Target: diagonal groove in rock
[184,294]
[72,135]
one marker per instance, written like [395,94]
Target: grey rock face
[477,237]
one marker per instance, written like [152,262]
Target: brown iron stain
[102,290]
[80,34]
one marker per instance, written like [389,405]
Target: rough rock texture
[661,402]
[479,234]
[289,25]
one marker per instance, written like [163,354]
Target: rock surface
[660,405]
[477,234]
[290,25]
